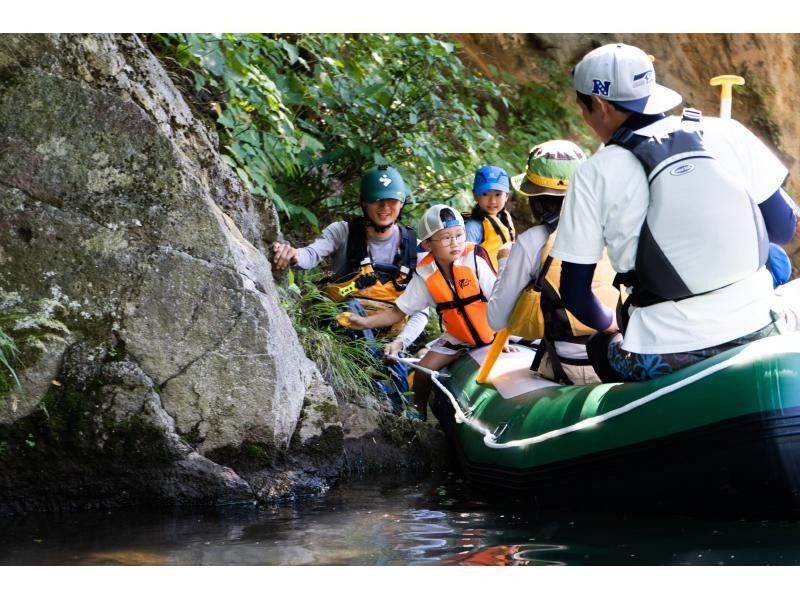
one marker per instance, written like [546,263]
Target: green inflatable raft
[724,433]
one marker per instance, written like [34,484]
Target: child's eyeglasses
[447,240]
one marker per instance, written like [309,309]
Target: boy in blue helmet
[489,224]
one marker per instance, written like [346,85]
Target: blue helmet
[490,178]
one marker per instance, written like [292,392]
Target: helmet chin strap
[379,228]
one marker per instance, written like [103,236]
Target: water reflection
[425,535]
[393,522]
[504,556]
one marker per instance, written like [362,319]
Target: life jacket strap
[459,302]
[547,346]
[691,114]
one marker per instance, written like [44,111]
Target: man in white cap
[693,255]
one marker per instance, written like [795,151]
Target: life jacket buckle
[691,114]
[347,290]
[365,280]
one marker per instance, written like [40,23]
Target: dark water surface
[394,522]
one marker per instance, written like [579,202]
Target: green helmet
[383,182]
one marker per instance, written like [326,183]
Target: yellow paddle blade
[494,352]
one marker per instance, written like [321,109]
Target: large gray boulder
[181,379]
[114,203]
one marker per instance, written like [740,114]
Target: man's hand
[283,255]
[348,319]
[612,328]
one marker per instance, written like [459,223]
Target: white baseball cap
[436,218]
[624,75]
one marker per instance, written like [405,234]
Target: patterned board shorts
[646,366]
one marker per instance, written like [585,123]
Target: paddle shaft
[494,352]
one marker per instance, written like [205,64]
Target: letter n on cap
[601,87]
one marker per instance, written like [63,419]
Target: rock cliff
[116,207]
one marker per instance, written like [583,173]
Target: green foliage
[346,364]
[758,93]
[24,333]
[301,117]
[538,112]
[8,352]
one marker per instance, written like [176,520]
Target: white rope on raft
[460,416]
[490,438]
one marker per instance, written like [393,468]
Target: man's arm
[332,239]
[576,292]
[780,217]
[381,319]
[283,255]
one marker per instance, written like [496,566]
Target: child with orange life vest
[489,224]
[456,278]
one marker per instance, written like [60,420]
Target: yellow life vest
[539,314]
[376,288]
[460,304]
[365,283]
[497,231]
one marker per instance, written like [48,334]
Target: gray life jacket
[702,231]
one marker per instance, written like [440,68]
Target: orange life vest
[461,304]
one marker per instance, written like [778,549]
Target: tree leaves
[304,116]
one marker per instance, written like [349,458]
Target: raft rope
[490,437]
[459,415]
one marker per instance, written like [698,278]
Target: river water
[432,521]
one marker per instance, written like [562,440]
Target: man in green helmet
[372,260]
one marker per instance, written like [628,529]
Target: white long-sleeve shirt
[523,264]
